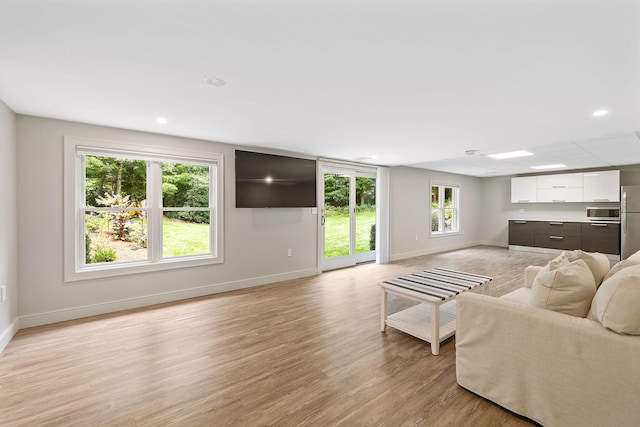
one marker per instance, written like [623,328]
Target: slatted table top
[437,284]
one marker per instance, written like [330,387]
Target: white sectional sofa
[555,368]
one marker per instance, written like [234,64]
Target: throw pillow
[617,301]
[568,289]
[555,263]
[598,263]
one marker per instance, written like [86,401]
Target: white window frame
[456,209]
[75,149]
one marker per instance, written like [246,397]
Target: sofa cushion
[617,303]
[598,263]
[520,295]
[635,256]
[568,289]
[621,266]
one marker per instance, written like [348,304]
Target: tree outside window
[116,210]
[445,209]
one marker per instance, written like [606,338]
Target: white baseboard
[46,318]
[8,333]
[429,251]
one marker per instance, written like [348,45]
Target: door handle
[556,238]
[322,220]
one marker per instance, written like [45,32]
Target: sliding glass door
[348,217]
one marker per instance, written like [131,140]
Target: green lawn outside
[184,238]
[336,233]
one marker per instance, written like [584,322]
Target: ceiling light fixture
[556,166]
[510,155]
[600,113]
[162,121]
[214,81]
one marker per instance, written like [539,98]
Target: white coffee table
[434,319]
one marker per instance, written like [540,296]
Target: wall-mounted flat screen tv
[270,181]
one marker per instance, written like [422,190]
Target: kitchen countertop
[582,220]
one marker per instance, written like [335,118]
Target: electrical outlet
[289,252]
[3,293]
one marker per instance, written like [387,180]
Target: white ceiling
[411,82]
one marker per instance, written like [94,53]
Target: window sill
[100,271]
[444,234]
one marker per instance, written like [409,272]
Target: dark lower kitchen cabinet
[557,235]
[601,237]
[521,233]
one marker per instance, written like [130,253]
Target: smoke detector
[471,152]
[214,81]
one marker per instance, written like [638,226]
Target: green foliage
[344,210]
[95,222]
[185,185]
[372,238]
[87,248]
[336,190]
[365,191]
[114,176]
[125,220]
[104,255]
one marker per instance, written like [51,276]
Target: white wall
[497,208]
[410,212]
[8,225]
[256,240]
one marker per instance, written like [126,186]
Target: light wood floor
[302,352]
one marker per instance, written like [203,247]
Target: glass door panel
[337,224]
[365,217]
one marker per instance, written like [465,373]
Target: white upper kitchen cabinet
[601,186]
[565,180]
[565,187]
[524,189]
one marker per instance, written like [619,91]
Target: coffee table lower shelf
[433,319]
[417,321]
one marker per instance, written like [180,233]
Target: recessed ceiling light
[214,81]
[556,166]
[162,121]
[510,155]
[268,180]
[600,113]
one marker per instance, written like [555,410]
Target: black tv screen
[270,181]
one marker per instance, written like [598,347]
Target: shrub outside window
[132,211]
[445,211]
